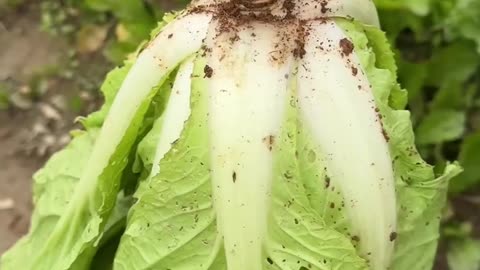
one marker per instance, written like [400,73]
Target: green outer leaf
[109,89]
[91,212]
[382,57]
[156,112]
[420,194]
[54,185]
[173,224]
[61,172]
[307,227]
[83,224]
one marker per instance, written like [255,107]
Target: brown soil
[15,184]
[24,51]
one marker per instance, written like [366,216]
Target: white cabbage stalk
[251,60]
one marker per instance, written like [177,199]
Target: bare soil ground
[28,135]
[22,49]
[15,184]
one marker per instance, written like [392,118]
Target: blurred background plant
[121,24]
[437,45]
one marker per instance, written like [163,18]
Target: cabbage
[245,135]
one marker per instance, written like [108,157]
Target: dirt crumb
[324,7]
[354,71]
[208,71]
[385,135]
[269,141]
[302,33]
[393,236]
[346,46]
[289,6]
